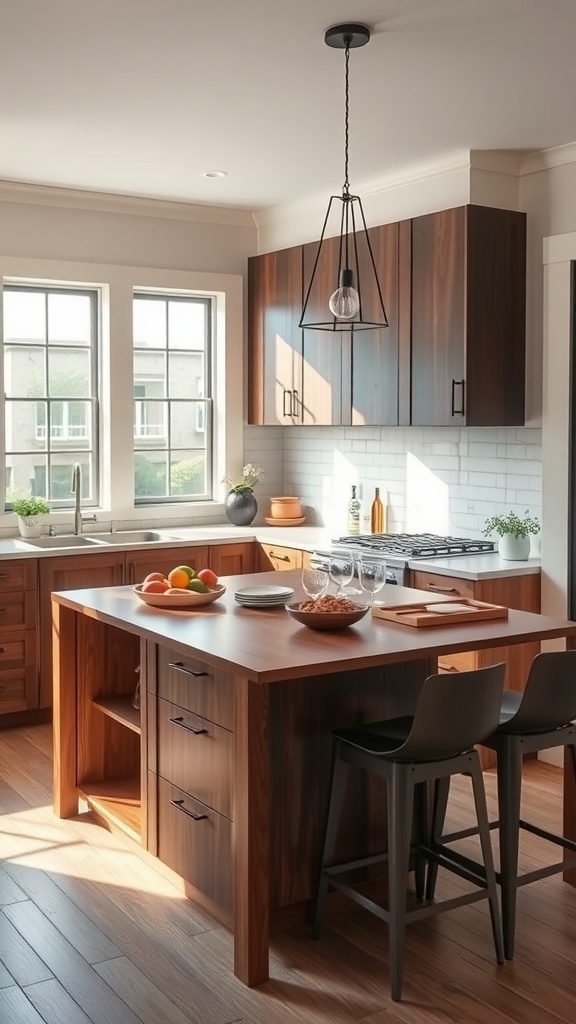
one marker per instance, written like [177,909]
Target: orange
[179,577]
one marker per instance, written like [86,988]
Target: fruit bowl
[187,599]
[324,619]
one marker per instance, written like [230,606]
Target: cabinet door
[322,350]
[274,338]
[140,563]
[375,352]
[438,318]
[232,559]
[70,572]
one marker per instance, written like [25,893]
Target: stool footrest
[419,913]
[465,867]
[551,837]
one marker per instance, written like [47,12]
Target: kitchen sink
[125,537]
[62,542]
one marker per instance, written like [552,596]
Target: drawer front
[195,755]
[18,651]
[18,690]
[197,687]
[18,575]
[273,556]
[448,586]
[196,842]
[17,611]
[458,662]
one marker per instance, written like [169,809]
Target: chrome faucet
[77,492]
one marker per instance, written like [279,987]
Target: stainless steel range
[398,549]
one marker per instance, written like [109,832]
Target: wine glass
[341,571]
[315,582]
[372,576]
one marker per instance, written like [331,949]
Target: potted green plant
[514,533]
[29,510]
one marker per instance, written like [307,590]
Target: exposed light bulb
[344,303]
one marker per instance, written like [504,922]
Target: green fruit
[198,587]
[187,569]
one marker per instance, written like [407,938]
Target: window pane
[70,425]
[149,326]
[21,434]
[188,474]
[151,475]
[150,370]
[150,423]
[186,375]
[69,319]
[69,373]
[61,469]
[27,474]
[187,325]
[24,372]
[24,317]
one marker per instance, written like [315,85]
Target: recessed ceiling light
[215,174]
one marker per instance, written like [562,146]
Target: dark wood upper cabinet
[374,377]
[468,317]
[454,288]
[275,340]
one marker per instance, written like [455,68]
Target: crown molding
[136,206]
[459,161]
[545,159]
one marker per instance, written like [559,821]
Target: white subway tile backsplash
[485,470]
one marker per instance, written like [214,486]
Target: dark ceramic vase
[241,507]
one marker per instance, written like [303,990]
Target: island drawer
[447,586]
[195,755]
[196,842]
[197,687]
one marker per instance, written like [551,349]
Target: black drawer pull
[3,611]
[179,667]
[279,558]
[442,590]
[287,411]
[454,410]
[4,576]
[182,724]
[179,805]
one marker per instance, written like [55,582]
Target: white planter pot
[30,526]
[514,549]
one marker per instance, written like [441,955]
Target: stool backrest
[549,700]
[455,711]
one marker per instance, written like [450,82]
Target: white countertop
[307,538]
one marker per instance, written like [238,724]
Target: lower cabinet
[18,636]
[140,563]
[232,559]
[522,592]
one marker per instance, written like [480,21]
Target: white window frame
[117,286]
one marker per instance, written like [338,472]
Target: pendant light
[353,299]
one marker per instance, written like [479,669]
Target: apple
[154,576]
[208,577]
[155,586]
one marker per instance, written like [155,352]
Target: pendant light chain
[346,185]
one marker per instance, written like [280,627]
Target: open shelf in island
[117,802]
[121,710]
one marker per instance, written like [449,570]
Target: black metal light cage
[352,226]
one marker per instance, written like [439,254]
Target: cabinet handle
[285,411]
[296,403]
[442,590]
[4,576]
[182,725]
[179,805]
[454,410]
[279,558]
[179,667]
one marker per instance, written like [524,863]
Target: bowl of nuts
[327,612]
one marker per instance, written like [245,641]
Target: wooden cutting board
[445,613]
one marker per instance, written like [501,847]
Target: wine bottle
[354,515]
[377,513]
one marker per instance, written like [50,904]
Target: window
[51,388]
[172,397]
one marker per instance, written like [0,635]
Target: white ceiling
[140,97]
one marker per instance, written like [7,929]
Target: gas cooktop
[417,545]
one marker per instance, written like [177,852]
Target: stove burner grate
[418,545]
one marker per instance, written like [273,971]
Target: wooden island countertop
[290,687]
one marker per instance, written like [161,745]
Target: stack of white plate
[264,596]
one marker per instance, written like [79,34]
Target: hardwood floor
[90,934]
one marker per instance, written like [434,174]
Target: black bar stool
[454,713]
[538,719]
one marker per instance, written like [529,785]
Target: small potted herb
[29,510]
[514,533]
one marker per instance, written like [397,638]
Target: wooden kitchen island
[223,773]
